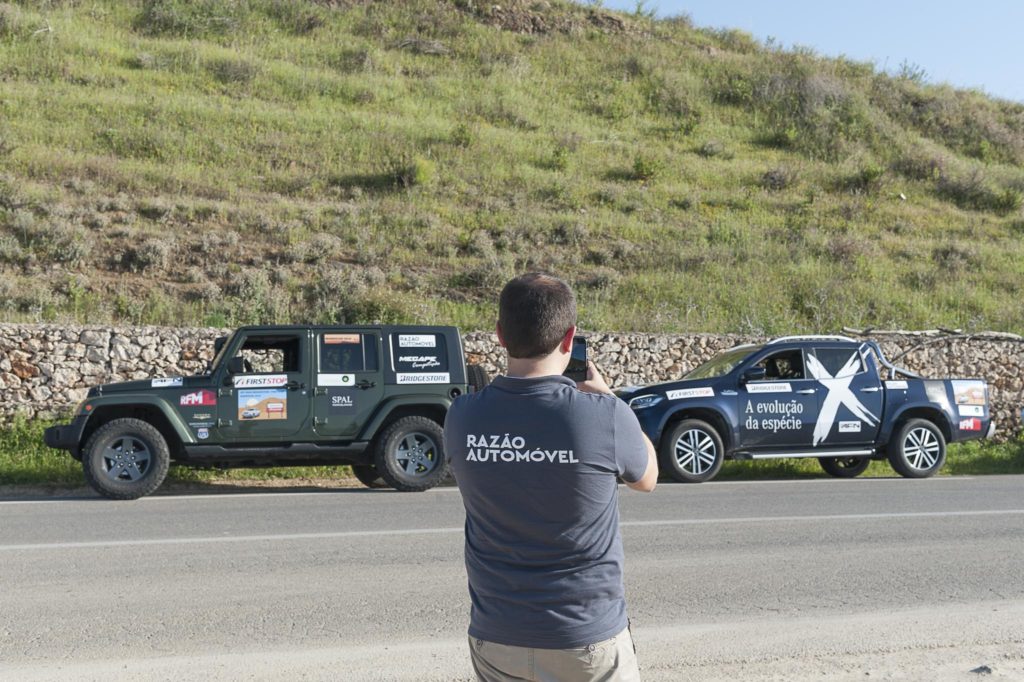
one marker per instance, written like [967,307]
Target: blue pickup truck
[808,396]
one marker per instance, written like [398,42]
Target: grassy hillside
[227,161]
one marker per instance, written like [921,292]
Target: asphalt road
[863,579]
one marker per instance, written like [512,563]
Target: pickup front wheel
[125,459]
[692,452]
[918,450]
[409,454]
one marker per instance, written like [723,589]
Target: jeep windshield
[723,363]
[220,352]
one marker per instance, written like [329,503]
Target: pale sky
[976,44]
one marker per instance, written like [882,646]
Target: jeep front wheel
[410,454]
[918,450]
[692,452]
[125,459]
[844,467]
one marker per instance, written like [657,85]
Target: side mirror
[218,343]
[754,374]
[236,365]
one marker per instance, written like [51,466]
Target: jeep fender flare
[423,405]
[128,402]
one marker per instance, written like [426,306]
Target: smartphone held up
[577,369]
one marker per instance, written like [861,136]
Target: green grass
[221,162]
[24,460]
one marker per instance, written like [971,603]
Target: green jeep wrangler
[374,397]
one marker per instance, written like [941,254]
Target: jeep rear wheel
[918,450]
[692,452]
[477,378]
[844,467]
[409,454]
[368,476]
[125,459]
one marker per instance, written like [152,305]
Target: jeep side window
[787,364]
[270,354]
[347,353]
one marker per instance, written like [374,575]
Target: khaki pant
[612,660]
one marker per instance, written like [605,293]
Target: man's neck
[526,368]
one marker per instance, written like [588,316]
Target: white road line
[258,493]
[453,530]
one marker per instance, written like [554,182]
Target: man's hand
[595,382]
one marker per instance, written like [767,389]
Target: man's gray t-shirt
[536,462]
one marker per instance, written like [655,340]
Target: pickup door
[850,396]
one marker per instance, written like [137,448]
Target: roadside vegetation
[24,460]
[220,162]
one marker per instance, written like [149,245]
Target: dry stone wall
[45,370]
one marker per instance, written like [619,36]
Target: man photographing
[536,457]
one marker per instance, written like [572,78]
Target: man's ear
[566,344]
[501,337]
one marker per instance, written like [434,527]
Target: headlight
[643,401]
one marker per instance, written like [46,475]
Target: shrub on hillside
[973,190]
[779,178]
[646,168]
[232,71]
[10,20]
[867,178]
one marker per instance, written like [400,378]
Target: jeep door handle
[294,385]
[364,384]
[870,389]
[806,391]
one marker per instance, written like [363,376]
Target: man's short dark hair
[535,311]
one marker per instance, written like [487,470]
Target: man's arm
[595,383]
[650,478]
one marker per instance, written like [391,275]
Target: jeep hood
[148,385]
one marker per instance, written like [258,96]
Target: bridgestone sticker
[417,341]
[705,392]
[896,385]
[335,380]
[170,382]
[266,381]
[769,388]
[423,378]
[849,427]
[971,410]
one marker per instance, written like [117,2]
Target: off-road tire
[692,451]
[409,454]
[112,459]
[477,377]
[844,467]
[918,449]
[368,476]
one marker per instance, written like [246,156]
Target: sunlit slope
[229,161]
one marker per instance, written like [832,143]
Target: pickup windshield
[723,363]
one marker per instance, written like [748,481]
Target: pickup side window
[786,365]
[839,361]
[346,353]
[270,354]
